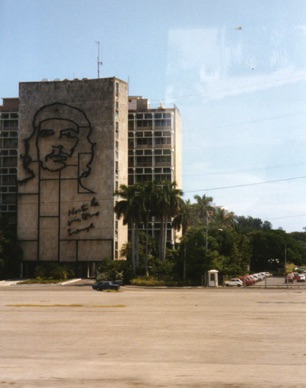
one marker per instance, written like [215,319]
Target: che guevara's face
[56,142]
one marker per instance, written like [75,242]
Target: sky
[236,70]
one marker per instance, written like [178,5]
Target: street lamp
[208,214]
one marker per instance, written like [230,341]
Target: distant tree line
[212,237]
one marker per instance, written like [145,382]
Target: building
[8,157]
[74,143]
[72,157]
[154,147]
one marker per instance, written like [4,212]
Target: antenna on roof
[99,63]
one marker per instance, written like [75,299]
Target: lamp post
[208,213]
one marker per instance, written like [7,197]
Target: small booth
[213,278]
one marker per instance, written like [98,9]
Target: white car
[301,277]
[234,282]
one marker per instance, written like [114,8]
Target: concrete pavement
[72,336]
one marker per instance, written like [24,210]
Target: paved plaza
[72,336]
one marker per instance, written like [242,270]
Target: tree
[148,195]
[169,205]
[222,219]
[268,250]
[130,208]
[202,206]
[249,224]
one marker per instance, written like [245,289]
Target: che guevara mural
[59,209]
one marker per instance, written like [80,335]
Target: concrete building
[75,142]
[8,158]
[155,149]
[72,156]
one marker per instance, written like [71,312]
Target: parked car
[261,276]
[301,277]
[234,282]
[290,278]
[247,280]
[105,285]
[255,277]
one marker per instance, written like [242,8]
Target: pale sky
[236,69]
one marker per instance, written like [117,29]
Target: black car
[105,285]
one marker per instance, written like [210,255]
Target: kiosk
[213,278]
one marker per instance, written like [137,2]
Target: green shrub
[155,282]
[52,271]
[109,269]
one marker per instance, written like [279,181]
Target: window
[162,160]
[131,143]
[144,141]
[162,123]
[163,140]
[144,161]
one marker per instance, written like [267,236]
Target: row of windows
[7,171]
[8,115]
[149,123]
[8,124]
[8,161]
[8,153]
[149,177]
[8,199]
[5,134]
[8,180]
[150,142]
[150,134]
[150,152]
[145,161]
[165,170]
[8,208]
[9,143]
[151,115]
[10,189]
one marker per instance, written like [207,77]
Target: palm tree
[223,219]
[148,197]
[129,208]
[169,205]
[202,206]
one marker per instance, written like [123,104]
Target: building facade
[74,143]
[8,158]
[154,147]
[72,157]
